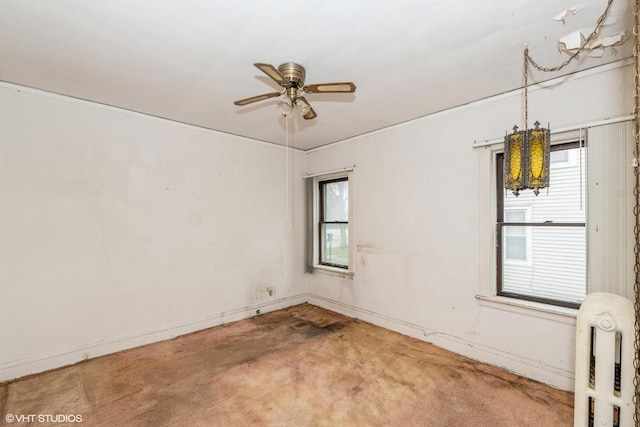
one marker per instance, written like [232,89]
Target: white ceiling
[188,60]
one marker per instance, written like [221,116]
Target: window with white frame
[328,229]
[541,240]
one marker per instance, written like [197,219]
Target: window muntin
[333,223]
[541,249]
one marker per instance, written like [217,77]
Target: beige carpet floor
[302,366]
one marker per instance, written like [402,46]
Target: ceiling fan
[291,77]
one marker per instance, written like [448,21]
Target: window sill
[334,271]
[530,308]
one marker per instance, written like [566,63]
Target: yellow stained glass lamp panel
[515,161]
[538,158]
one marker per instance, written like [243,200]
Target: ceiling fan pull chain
[288,204]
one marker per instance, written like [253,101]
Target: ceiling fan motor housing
[293,72]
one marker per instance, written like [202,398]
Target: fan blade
[257,98]
[273,72]
[310,114]
[344,87]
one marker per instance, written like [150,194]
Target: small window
[333,223]
[560,156]
[516,237]
[563,159]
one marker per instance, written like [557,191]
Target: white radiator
[604,362]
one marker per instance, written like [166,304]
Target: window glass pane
[563,201]
[334,244]
[558,268]
[336,201]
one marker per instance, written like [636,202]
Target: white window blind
[610,201]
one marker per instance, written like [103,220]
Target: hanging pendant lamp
[527,152]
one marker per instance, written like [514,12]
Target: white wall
[119,229]
[423,206]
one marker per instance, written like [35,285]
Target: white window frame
[317,266]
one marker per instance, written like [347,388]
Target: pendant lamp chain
[526,87]
[636,209]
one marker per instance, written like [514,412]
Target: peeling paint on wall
[595,48]
[562,15]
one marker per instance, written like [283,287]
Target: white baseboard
[68,356]
[528,368]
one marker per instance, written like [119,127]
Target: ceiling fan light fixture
[302,106]
[285,106]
